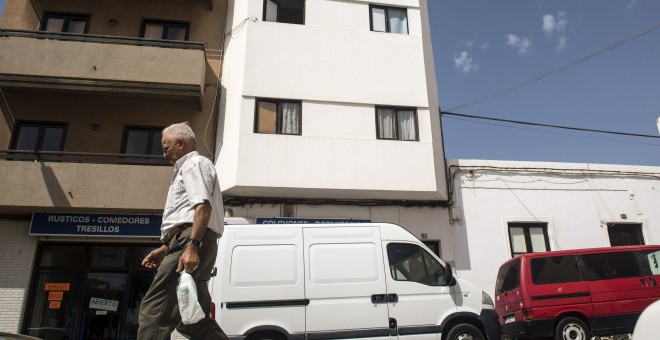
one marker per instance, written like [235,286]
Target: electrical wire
[559,69]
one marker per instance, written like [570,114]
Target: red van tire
[464,331]
[572,328]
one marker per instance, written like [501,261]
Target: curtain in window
[271,11]
[518,240]
[378,19]
[538,239]
[406,121]
[291,118]
[398,20]
[386,123]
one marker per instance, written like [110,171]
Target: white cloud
[485,46]
[553,24]
[524,45]
[463,62]
[469,43]
[561,44]
[631,4]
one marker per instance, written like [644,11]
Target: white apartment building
[330,111]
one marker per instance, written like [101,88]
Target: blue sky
[484,46]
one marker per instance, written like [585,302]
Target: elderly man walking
[192,222]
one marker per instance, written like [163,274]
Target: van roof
[584,251]
[389,231]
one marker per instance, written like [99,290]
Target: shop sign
[298,220]
[96,303]
[54,304]
[57,286]
[75,224]
[55,296]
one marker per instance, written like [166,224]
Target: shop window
[66,23]
[528,238]
[142,141]
[388,19]
[286,11]
[38,137]
[166,30]
[278,116]
[396,123]
[625,234]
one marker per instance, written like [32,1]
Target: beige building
[86,86]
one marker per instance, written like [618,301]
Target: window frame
[528,239]
[278,115]
[397,128]
[67,19]
[42,125]
[619,234]
[150,129]
[387,17]
[276,2]
[166,24]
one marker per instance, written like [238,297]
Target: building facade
[85,90]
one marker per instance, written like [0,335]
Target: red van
[576,294]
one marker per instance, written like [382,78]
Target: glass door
[54,312]
[103,303]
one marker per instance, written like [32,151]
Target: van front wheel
[464,331]
[572,329]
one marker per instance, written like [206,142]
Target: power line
[548,125]
[559,69]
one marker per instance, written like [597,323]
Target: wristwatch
[198,243]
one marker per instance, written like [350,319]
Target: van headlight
[486,299]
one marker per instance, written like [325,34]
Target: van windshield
[508,277]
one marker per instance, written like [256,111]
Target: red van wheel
[572,329]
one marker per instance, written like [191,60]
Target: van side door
[617,289]
[345,283]
[419,301]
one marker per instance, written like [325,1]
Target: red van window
[610,265]
[508,277]
[555,269]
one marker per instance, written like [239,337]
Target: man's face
[172,148]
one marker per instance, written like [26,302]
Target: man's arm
[189,260]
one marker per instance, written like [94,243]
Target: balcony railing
[82,157]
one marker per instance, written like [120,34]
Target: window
[625,234]
[409,262]
[286,11]
[167,30]
[651,260]
[67,23]
[528,238]
[278,116]
[555,269]
[388,19]
[38,137]
[606,266]
[508,277]
[434,246]
[142,141]
[396,123]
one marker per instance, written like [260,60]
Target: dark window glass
[528,238]
[38,137]
[409,262]
[625,234]
[166,30]
[508,277]
[389,19]
[278,116]
[286,11]
[66,23]
[62,256]
[555,269]
[142,141]
[607,266]
[651,262]
[396,123]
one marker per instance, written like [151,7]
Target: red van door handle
[653,281]
[643,282]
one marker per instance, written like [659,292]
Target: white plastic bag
[186,293]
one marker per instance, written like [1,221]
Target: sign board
[96,303]
[54,304]
[77,224]
[63,287]
[55,296]
[298,220]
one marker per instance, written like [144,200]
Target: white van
[342,281]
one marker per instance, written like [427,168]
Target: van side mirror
[448,277]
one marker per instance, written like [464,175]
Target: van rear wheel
[464,331]
[572,329]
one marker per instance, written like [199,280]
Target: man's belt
[170,234]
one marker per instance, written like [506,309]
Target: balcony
[68,181]
[75,62]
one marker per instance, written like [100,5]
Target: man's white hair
[180,130]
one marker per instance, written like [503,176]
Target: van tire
[464,331]
[572,328]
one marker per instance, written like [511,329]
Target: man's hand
[189,260]
[154,258]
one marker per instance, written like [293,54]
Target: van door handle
[392,298]
[378,298]
[653,280]
[643,282]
